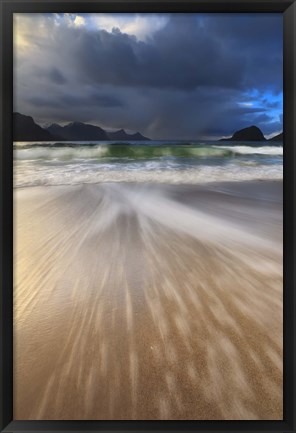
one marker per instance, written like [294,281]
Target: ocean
[72,163]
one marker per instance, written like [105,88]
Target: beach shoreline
[148,301]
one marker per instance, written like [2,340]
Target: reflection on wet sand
[137,302]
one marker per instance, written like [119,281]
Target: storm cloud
[173,76]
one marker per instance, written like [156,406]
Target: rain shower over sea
[72,163]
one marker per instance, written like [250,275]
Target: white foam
[249,150]
[26,174]
[196,223]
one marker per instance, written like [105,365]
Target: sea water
[70,163]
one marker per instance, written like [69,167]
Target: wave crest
[136,152]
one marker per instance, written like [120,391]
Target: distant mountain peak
[79,131]
[251,133]
[25,129]
[75,123]
[122,135]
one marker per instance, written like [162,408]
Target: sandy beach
[147,302]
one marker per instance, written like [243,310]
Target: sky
[168,76]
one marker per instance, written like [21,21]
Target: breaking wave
[71,151]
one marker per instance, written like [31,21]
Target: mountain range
[25,129]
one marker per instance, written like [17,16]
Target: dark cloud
[91,99]
[174,58]
[189,79]
[56,76]
[43,102]
[106,100]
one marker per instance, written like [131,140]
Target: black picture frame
[7,8]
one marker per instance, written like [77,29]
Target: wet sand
[148,302]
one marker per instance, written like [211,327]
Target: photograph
[148,216]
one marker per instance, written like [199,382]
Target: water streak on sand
[133,302]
